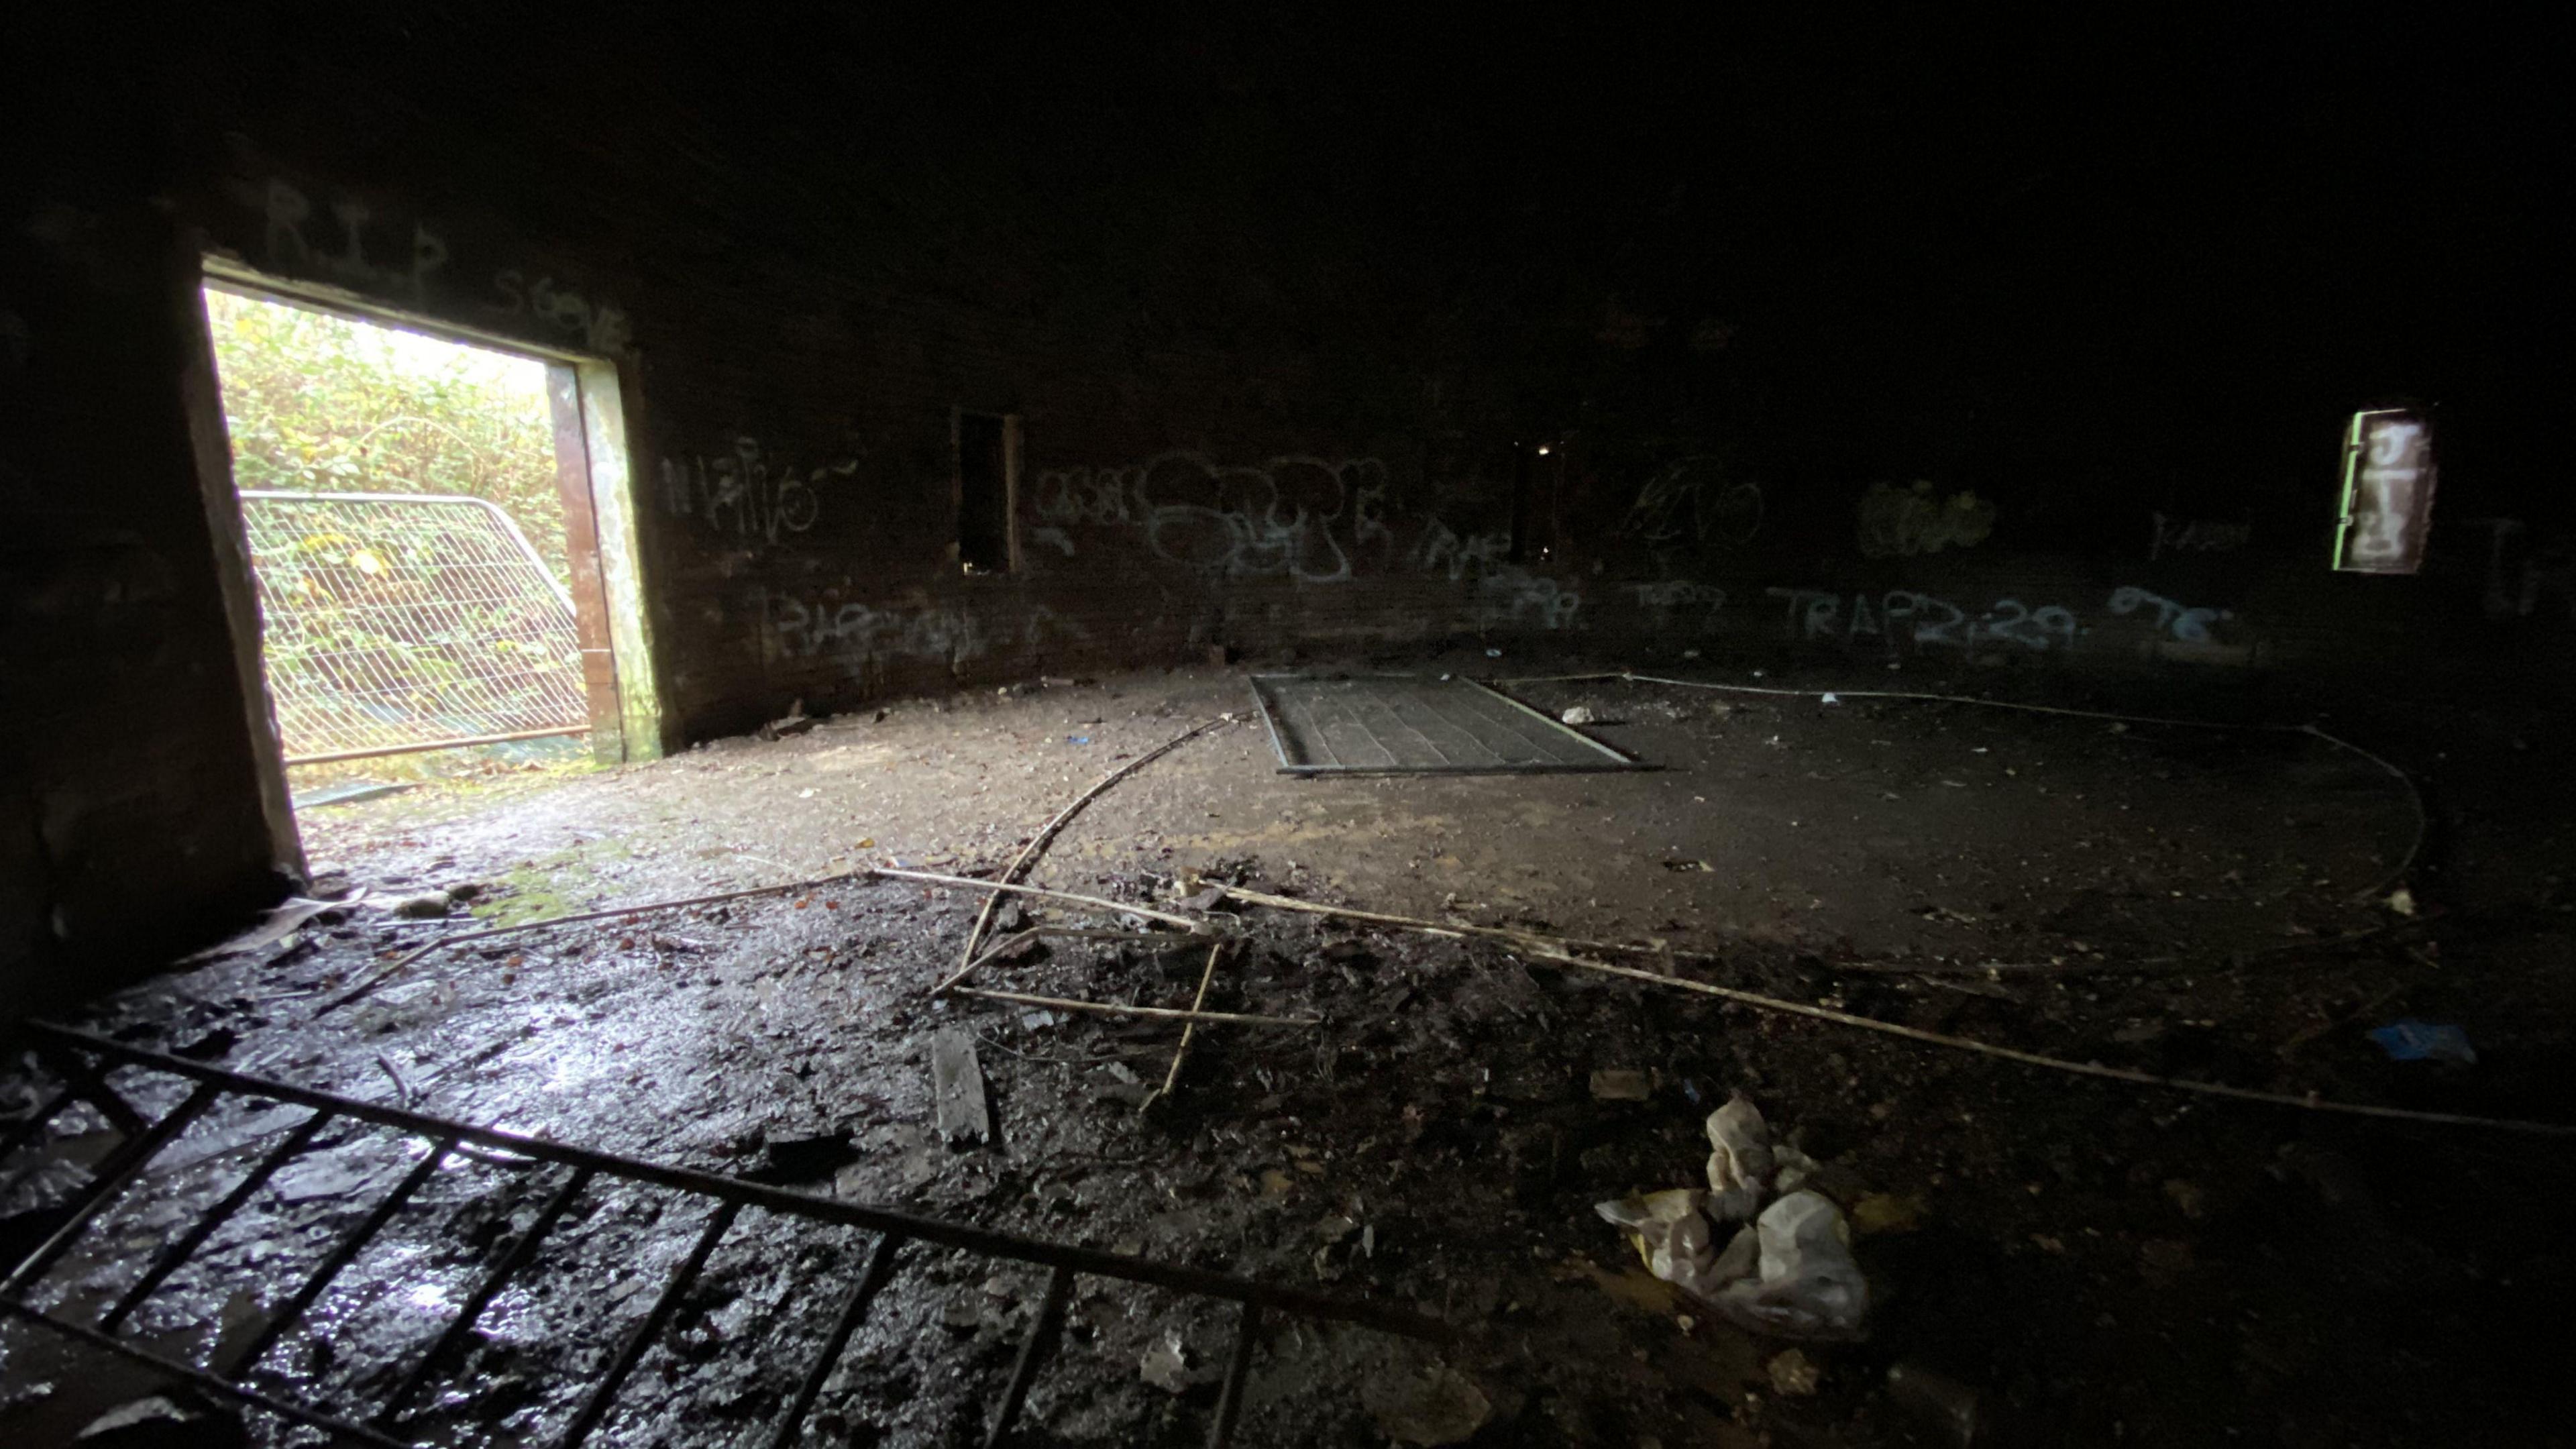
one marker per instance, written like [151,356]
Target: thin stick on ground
[409,958]
[1198,1004]
[1151,1013]
[1543,948]
[968,883]
[1038,842]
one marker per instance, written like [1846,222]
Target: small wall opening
[987,454]
[424,547]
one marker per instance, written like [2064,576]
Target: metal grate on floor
[1406,725]
[171,1167]
[393,622]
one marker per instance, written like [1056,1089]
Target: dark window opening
[984,493]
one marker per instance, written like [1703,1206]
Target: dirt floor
[2052,1259]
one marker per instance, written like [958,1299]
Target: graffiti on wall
[1514,596]
[301,243]
[1905,522]
[1304,518]
[2189,625]
[1680,598]
[598,326]
[2195,535]
[1444,550]
[857,634]
[1692,502]
[742,493]
[1902,619]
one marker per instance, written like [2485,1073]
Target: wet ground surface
[2096,1262]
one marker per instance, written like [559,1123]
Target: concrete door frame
[595,475]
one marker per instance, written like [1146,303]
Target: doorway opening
[439,573]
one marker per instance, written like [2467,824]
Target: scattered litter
[1039,1020]
[1621,1085]
[1936,1399]
[795,723]
[1808,1285]
[1739,1159]
[1578,715]
[1077,739]
[1443,1406]
[957,1086]
[164,1420]
[2423,1041]
[1166,1365]
[1669,1233]
[427,906]
[1831,698]
[1493,654]
[1793,1374]
[283,921]
[2402,901]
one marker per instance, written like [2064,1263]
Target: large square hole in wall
[424,540]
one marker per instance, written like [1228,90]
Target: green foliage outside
[319,404]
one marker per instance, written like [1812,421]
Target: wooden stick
[1046,832]
[967,883]
[610,914]
[1157,1013]
[1545,949]
[1172,1078]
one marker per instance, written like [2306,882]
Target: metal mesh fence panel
[395,622]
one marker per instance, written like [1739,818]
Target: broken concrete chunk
[1739,1159]
[1621,1085]
[957,1087]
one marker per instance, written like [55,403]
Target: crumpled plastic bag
[1739,1160]
[1806,1284]
[1668,1232]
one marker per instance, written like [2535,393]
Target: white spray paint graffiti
[2188,625]
[860,634]
[601,326]
[1681,596]
[1301,517]
[287,213]
[1517,596]
[1443,549]
[1903,522]
[1902,617]
[740,492]
[2196,535]
[1691,501]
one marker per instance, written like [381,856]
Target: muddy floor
[2052,1259]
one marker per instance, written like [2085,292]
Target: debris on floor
[2424,1041]
[957,1083]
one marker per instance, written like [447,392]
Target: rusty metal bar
[195,1238]
[1033,1353]
[115,1174]
[1238,1364]
[871,1279]
[89,1083]
[982,1241]
[211,1382]
[484,1292]
[340,1258]
[595,1408]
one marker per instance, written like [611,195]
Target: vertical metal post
[873,1277]
[484,1292]
[1033,1354]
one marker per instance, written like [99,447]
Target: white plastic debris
[1832,698]
[1807,1284]
[1669,1234]
[1577,715]
[1739,1160]
[2402,901]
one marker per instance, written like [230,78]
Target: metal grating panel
[394,622]
[1402,725]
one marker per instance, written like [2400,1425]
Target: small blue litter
[1077,739]
[2423,1041]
